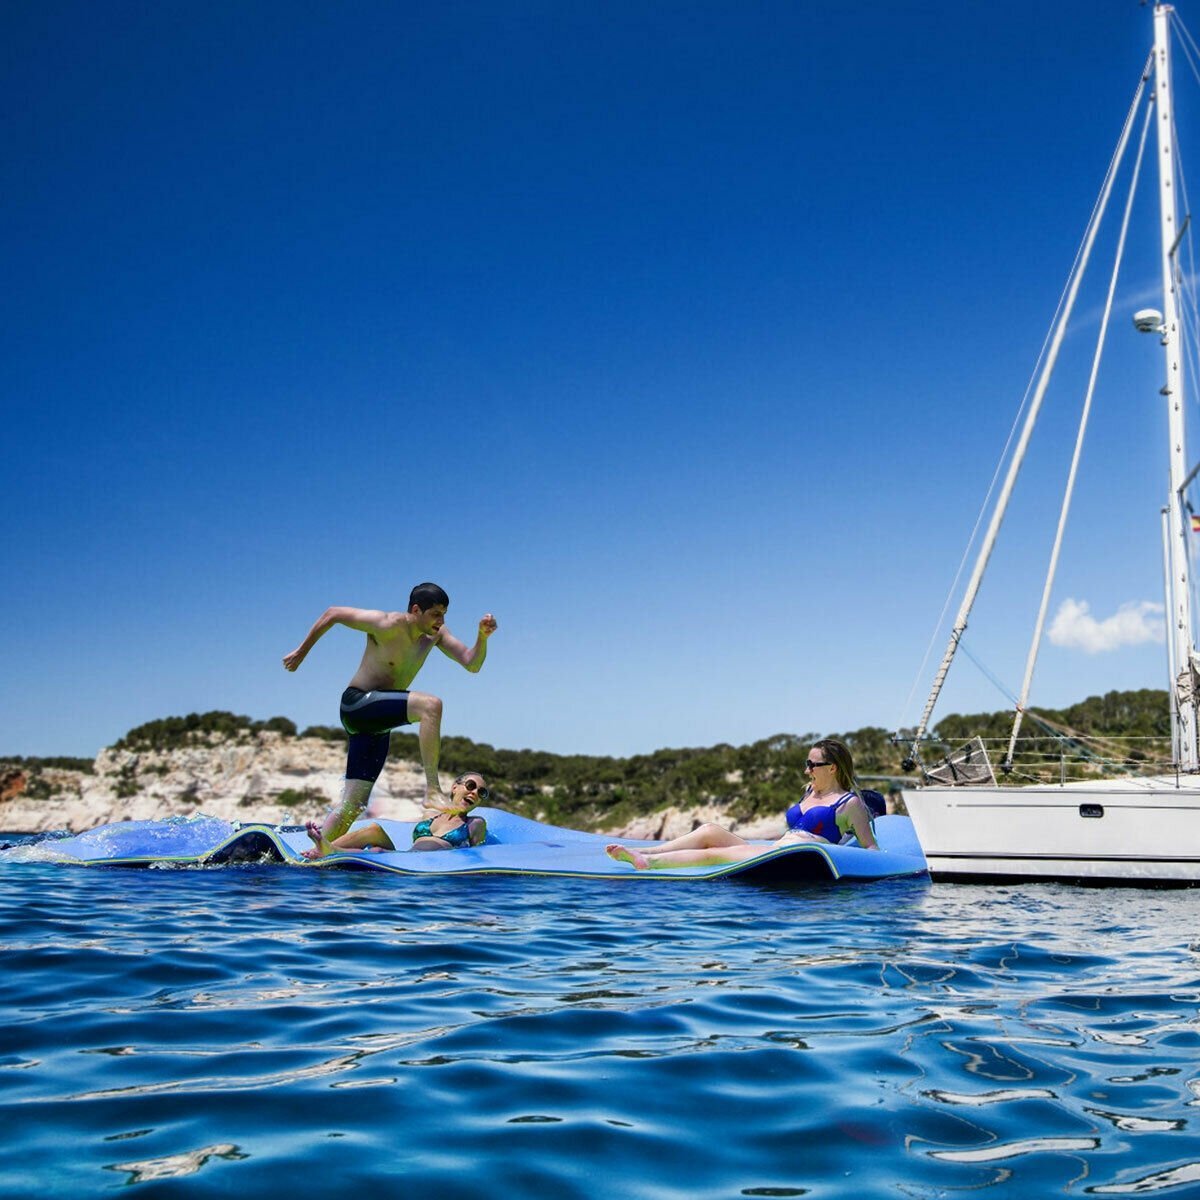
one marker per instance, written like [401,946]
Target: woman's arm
[859,817]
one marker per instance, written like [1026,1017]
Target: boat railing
[1044,759]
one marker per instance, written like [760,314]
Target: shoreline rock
[261,776]
[674,822]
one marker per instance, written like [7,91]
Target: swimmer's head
[427,603]
[837,755]
[470,789]
[425,595]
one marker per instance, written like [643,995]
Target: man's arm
[365,620]
[471,658]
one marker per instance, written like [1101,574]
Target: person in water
[377,699]
[444,828]
[829,811]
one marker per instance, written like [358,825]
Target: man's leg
[365,755]
[355,794]
[427,710]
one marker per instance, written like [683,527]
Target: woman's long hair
[839,754]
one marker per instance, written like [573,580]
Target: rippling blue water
[249,1030]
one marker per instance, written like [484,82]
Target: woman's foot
[623,854]
[321,847]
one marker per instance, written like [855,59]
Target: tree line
[761,778]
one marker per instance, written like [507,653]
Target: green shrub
[86,765]
[172,733]
[291,797]
[327,733]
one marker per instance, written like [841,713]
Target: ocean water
[252,1030]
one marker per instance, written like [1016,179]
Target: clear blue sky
[682,337]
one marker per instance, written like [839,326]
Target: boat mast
[1172,673]
[1179,590]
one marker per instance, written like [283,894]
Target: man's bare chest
[398,656]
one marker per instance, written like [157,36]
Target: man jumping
[378,700]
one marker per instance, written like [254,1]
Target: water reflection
[172,1166]
[1172,1178]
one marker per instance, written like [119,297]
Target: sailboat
[1113,827]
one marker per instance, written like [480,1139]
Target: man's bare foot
[321,847]
[623,854]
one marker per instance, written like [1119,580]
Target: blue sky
[682,337]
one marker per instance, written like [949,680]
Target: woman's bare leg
[711,856]
[706,837]
[360,839]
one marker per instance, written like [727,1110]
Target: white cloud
[1148,295]
[1132,624]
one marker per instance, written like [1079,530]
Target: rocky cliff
[255,776]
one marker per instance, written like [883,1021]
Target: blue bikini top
[821,820]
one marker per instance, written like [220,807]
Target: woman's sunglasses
[472,786]
[809,765]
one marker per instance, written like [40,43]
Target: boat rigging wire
[1004,453]
[1187,43]
[952,591]
[1105,752]
[1108,753]
[985,504]
[1075,279]
[1069,490]
[989,675]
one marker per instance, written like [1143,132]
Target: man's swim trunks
[369,718]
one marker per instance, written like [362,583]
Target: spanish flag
[1196,522]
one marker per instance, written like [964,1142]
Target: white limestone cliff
[257,777]
[263,776]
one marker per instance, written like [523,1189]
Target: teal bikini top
[457,837]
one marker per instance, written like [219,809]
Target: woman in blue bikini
[829,811]
[446,828]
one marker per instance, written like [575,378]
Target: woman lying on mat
[439,828]
[831,810]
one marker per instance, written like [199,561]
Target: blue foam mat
[515,845]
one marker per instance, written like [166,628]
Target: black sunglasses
[809,765]
[472,786]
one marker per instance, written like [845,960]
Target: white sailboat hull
[1138,832]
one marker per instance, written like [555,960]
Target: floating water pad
[515,846]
